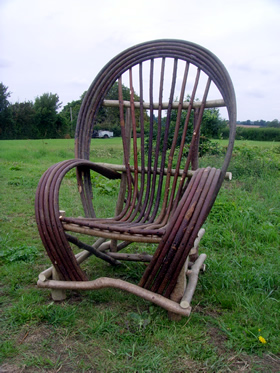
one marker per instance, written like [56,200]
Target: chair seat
[115,229]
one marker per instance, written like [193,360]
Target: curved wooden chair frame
[164,196]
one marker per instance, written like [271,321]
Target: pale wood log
[104,282]
[62,214]
[181,285]
[106,245]
[131,257]
[192,281]
[197,241]
[121,168]
[46,274]
[165,105]
[202,269]
[57,294]
[179,290]
[114,246]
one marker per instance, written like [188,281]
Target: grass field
[235,321]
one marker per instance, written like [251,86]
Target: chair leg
[183,291]
[192,281]
[179,291]
[194,251]
[57,294]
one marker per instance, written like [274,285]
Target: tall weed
[254,162]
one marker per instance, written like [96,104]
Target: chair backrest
[165,78]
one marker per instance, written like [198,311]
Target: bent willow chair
[164,197]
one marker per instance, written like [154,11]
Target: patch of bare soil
[217,338]
[192,366]
[261,364]
[9,368]
[207,311]
[34,336]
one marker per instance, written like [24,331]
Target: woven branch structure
[164,195]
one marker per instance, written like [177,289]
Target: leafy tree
[212,124]
[109,117]
[4,95]
[211,127]
[275,123]
[50,124]
[70,114]
[23,114]
[28,120]
[6,122]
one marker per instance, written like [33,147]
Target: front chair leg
[179,291]
[57,294]
[182,293]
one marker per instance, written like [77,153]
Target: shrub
[253,161]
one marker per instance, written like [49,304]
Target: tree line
[45,118]
[261,123]
[31,120]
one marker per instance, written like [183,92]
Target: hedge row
[256,134]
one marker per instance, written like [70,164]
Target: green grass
[237,299]
[250,144]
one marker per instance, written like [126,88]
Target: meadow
[235,322]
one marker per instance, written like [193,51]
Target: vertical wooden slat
[126,149]
[123,183]
[134,180]
[195,152]
[142,148]
[156,151]
[185,129]
[150,145]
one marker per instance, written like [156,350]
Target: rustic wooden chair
[164,196]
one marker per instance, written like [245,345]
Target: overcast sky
[59,46]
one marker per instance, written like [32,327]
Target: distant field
[235,323]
